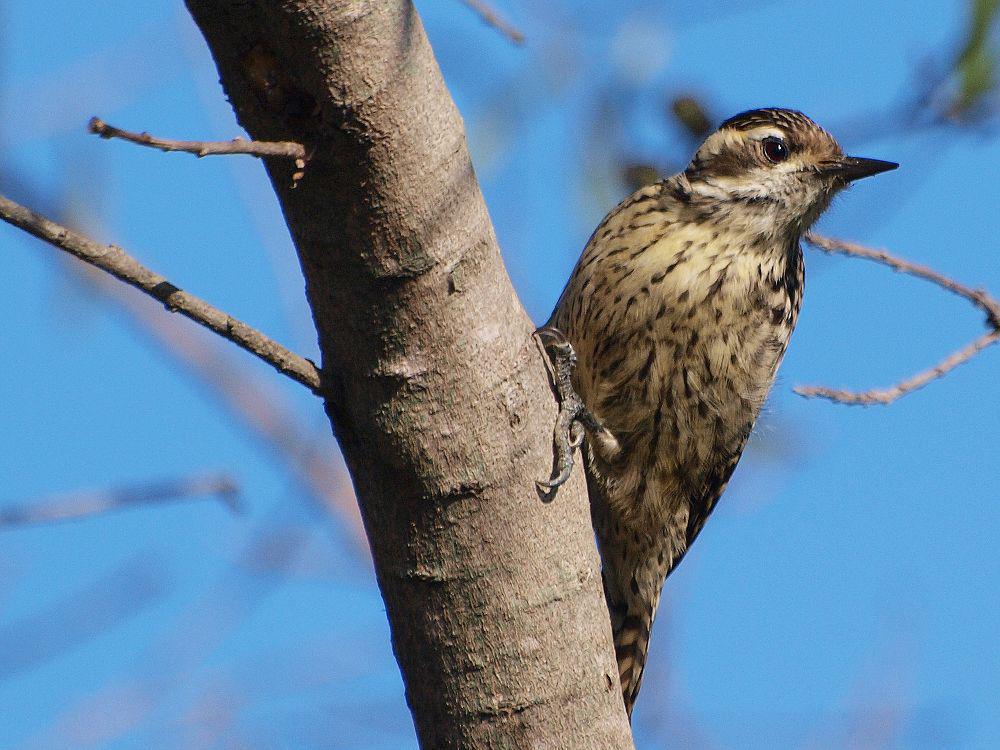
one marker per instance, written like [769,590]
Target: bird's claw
[568,433]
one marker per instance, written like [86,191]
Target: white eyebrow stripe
[759,134]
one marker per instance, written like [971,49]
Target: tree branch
[119,264]
[82,504]
[490,17]
[979,297]
[886,396]
[286,149]
[441,399]
[251,401]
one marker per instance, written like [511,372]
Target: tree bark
[434,387]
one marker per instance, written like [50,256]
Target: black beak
[854,168]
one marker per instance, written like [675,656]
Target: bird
[667,338]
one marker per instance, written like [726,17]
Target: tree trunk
[433,384]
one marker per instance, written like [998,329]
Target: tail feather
[633,575]
[631,636]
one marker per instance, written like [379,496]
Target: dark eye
[775,149]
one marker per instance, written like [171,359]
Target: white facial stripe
[759,134]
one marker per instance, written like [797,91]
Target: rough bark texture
[435,389]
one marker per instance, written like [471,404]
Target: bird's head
[775,164]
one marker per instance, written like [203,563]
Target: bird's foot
[574,416]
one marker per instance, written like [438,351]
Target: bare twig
[888,395]
[490,17]
[260,149]
[979,297]
[91,503]
[119,264]
[288,149]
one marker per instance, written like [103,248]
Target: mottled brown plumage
[679,312]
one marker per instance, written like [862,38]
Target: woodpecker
[667,338]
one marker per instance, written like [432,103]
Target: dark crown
[784,118]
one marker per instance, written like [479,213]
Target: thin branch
[888,395]
[82,504]
[119,264]
[260,149]
[287,149]
[490,17]
[979,297]
[307,457]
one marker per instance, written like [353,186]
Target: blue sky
[844,594]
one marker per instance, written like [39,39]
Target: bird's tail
[633,577]
[631,628]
